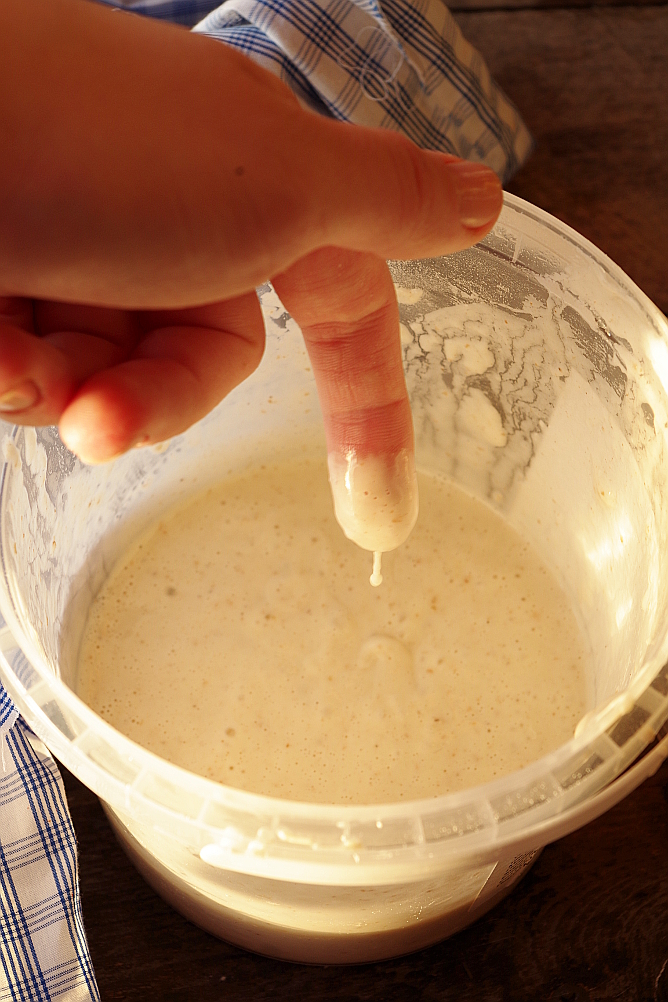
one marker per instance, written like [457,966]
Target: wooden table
[590,921]
[592,85]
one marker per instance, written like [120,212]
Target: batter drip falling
[375,501]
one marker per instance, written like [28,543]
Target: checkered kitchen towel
[44,952]
[395,64]
[390,63]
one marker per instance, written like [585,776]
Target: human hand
[152,171]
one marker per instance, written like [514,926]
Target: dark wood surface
[458,6]
[592,86]
[590,921]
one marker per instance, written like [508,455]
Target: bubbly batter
[241,639]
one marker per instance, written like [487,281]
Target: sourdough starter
[241,639]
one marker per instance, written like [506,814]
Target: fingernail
[92,456]
[19,398]
[479,193]
[94,451]
[89,453]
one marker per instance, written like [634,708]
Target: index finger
[345,304]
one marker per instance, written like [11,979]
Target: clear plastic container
[538,375]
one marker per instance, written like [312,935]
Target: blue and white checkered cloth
[389,63]
[395,64]
[44,950]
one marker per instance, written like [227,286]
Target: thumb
[376,191]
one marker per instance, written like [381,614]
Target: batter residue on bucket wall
[241,639]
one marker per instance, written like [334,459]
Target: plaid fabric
[187,12]
[394,64]
[44,953]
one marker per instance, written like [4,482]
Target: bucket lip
[476,801]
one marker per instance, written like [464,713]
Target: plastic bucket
[538,375]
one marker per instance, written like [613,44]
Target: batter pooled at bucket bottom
[240,639]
